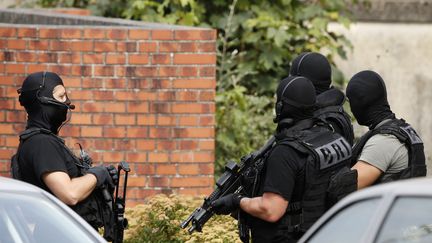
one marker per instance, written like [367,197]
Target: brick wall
[143,95]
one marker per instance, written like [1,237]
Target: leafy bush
[257,39]
[159,221]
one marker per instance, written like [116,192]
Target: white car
[30,214]
[390,213]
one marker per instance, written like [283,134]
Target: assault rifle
[113,207]
[231,181]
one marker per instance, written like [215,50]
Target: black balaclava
[367,96]
[295,99]
[315,67]
[36,95]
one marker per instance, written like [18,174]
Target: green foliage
[257,40]
[159,219]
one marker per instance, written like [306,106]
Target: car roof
[12,185]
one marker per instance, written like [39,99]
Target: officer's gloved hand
[102,176]
[227,204]
[113,173]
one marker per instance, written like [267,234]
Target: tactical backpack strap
[337,115]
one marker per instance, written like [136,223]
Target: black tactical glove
[113,173]
[102,175]
[227,204]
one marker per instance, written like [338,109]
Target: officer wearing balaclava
[329,105]
[276,211]
[42,158]
[392,149]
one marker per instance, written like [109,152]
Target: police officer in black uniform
[42,158]
[391,149]
[329,105]
[295,178]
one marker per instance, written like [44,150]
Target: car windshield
[33,218]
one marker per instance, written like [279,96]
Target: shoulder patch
[333,153]
[412,135]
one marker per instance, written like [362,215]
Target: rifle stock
[229,182]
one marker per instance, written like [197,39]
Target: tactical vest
[406,135]
[93,209]
[328,153]
[336,116]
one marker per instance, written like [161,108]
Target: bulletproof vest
[406,135]
[93,209]
[327,154]
[332,112]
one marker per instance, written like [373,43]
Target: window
[348,225]
[409,220]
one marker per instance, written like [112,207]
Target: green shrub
[159,220]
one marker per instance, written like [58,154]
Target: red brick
[56,45]
[7,81]
[194,132]
[114,132]
[49,33]
[143,144]
[203,157]
[167,71]
[136,34]
[158,157]
[116,34]
[6,104]
[206,169]
[93,58]
[125,144]
[78,118]
[207,96]
[104,46]
[70,131]
[138,107]
[70,34]
[162,34]
[188,121]
[207,72]
[207,121]
[191,182]
[188,71]
[12,141]
[207,145]
[168,46]
[115,59]
[166,96]
[159,182]
[16,116]
[126,46]
[103,95]
[25,56]
[195,34]
[47,57]
[8,56]
[160,108]
[182,156]
[92,83]
[103,71]
[144,169]
[160,132]
[207,47]
[6,153]
[161,59]
[81,70]
[27,32]
[188,145]
[136,157]
[15,68]
[147,47]
[194,59]
[103,144]
[138,59]
[81,94]
[91,131]
[136,181]
[115,107]
[93,34]
[81,45]
[166,120]
[166,145]
[7,129]
[187,96]
[194,83]
[191,169]
[192,108]
[103,119]
[121,119]
[91,106]
[166,170]
[114,84]
[133,132]
[61,69]
[7,32]
[11,92]
[146,120]
[113,157]
[17,44]
[188,47]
